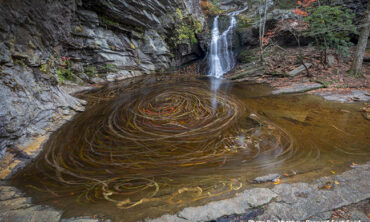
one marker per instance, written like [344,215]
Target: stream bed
[156,144]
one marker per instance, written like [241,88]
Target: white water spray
[222,58]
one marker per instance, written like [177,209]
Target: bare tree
[362,43]
[262,24]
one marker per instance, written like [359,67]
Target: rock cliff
[45,43]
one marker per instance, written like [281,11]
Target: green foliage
[210,8]
[330,26]
[244,21]
[216,9]
[107,68]
[179,14]
[108,21]
[91,71]
[287,4]
[20,62]
[60,75]
[44,68]
[65,72]
[49,66]
[198,27]
[186,31]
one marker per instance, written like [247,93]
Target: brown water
[158,144]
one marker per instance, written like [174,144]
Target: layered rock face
[43,43]
[231,4]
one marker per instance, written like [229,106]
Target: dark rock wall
[103,40]
[231,4]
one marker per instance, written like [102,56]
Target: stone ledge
[297,201]
[297,88]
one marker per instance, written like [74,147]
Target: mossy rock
[247,56]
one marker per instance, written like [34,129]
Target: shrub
[91,71]
[186,29]
[179,14]
[107,68]
[244,21]
[64,72]
[209,8]
[330,27]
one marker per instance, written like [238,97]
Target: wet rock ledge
[298,201]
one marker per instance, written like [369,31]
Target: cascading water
[222,59]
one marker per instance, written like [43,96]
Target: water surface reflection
[159,144]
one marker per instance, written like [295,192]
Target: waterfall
[222,58]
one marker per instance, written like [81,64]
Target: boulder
[299,69]
[297,88]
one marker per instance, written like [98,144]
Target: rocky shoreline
[297,201]
[284,201]
[321,199]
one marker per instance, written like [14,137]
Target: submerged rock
[352,96]
[15,207]
[237,205]
[82,219]
[298,201]
[267,178]
[43,214]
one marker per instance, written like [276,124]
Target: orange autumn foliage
[267,38]
[298,11]
[304,4]
[207,7]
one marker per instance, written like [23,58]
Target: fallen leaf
[327,186]
[277,181]
[333,172]
[336,182]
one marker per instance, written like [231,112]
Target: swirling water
[221,57]
[161,143]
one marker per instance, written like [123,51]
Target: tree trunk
[262,27]
[361,45]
